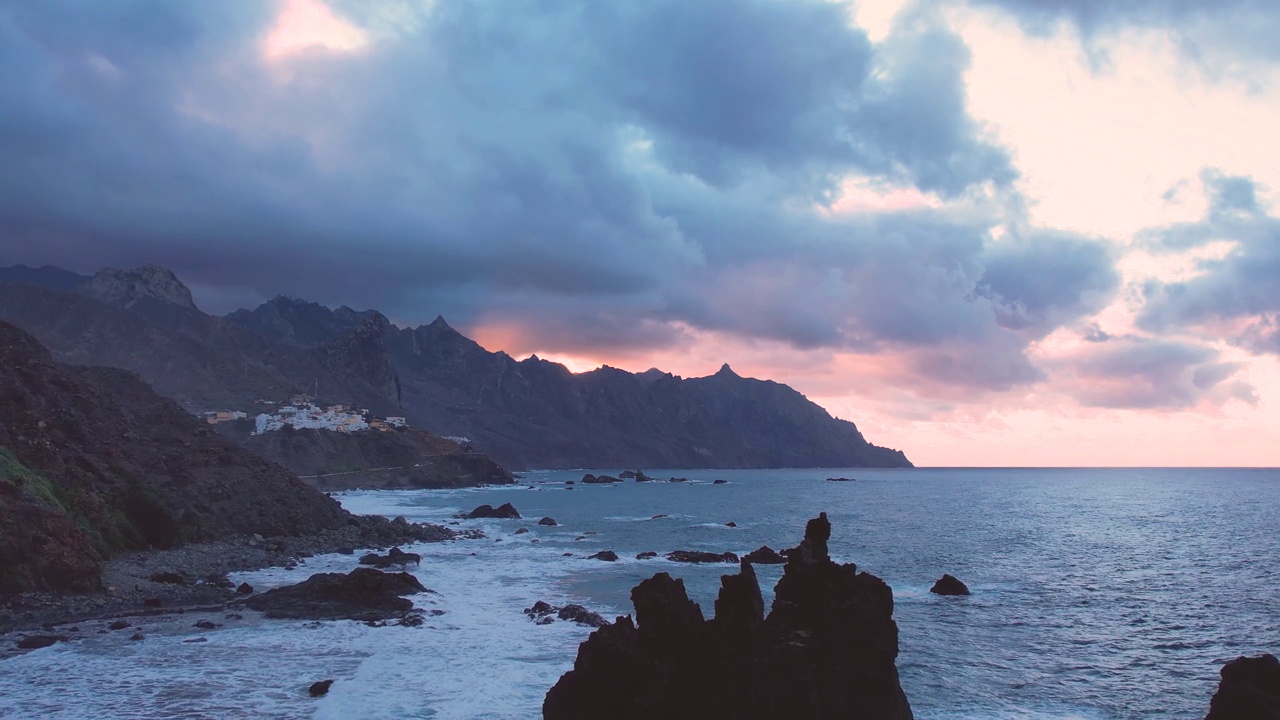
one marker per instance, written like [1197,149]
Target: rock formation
[362,594]
[949,585]
[764,556]
[506,511]
[827,650]
[1250,690]
[697,556]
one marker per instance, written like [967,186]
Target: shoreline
[126,582]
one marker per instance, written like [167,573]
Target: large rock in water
[362,594]
[1250,690]
[505,511]
[827,649]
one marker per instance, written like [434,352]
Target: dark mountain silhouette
[92,461]
[529,413]
[535,413]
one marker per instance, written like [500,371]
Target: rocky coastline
[128,588]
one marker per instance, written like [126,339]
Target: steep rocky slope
[404,458]
[92,461]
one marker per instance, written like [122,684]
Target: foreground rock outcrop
[827,649]
[362,594]
[1250,690]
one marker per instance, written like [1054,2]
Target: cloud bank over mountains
[610,180]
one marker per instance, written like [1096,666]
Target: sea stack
[827,649]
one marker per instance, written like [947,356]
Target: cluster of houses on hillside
[305,414]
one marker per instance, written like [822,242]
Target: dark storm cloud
[1216,33]
[604,174]
[1234,296]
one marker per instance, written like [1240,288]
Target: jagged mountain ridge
[535,413]
[529,413]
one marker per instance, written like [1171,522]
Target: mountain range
[523,413]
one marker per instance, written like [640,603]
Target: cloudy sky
[991,232]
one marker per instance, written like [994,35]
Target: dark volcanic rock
[1250,690]
[320,688]
[646,555]
[362,594]
[549,522]
[606,555]
[170,578]
[34,642]
[827,650]
[244,589]
[544,613]
[119,625]
[840,479]
[506,511]
[731,524]
[522,531]
[696,556]
[395,556]
[720,482]
[590,479]
[764,556]
[948,585]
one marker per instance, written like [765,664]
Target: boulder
[646,555]
[1250,690]
[678,479]
[568,482]
[206,625]
[548,521]
[826,650]
[764,556]
[320,688]
[590,479]
[731,524]
[522,531]
[949,585]
[244,589]
[697,556]
[362,594]
[544,613]
[169,578]
[840,479]
[394,556]
[606,555]
[35,642]
[119,625]
[720,482]
[506,511]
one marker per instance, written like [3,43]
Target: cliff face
[827,649]
[535,413]
[93,461]
[404,458]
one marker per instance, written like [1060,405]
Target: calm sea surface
[1097,594]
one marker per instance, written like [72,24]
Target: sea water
[1097,594]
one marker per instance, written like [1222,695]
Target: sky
[989,232]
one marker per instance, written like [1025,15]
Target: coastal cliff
[93,462]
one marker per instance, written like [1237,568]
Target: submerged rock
[395,556]
[764,556]
[1250,690]
[949,585]
[320,688]
[827,650]
[697,556]
[544,613]
[35,642]
[646,555]
[720,481]
[840,479]
[606,555]
[506,511]
[362,594]
[119,625]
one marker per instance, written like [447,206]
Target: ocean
[1097,594]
